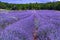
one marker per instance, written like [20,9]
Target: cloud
[58,0]
[51,0]
[54,0]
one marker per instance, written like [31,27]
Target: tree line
[31,6]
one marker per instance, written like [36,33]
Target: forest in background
[31,6]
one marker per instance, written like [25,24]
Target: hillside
[31,6]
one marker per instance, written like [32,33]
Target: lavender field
[30,25]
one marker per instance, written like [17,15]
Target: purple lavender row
[47,21]
[11,17]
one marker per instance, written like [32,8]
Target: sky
[27,1]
